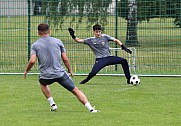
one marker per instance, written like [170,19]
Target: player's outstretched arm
[126,49]
[123,46]
[72,34]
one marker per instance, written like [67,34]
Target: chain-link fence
[152,29]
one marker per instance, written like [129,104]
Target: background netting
[152,28]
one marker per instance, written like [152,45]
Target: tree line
[97,11]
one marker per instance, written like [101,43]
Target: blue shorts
[65,81]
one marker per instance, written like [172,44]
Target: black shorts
[65,81]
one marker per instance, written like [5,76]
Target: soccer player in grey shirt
[100,47]
[50,52]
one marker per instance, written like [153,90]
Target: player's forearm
[118,41]
[72,34]
[123,46]
[67,64]
[79,40]
[31,62]
[30,65]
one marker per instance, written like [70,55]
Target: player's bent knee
[124,61]
[75,90]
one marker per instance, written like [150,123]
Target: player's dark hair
[43,27]
[97,27]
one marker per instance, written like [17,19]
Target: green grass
[155,102]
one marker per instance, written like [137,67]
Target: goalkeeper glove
[126,49]
[71,31]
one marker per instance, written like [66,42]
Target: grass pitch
[155,102]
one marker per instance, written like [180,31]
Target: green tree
[131,35]
[144,10]
[37,4]
[57,11]
[96,11]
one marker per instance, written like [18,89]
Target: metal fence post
[29,28]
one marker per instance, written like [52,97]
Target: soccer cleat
[83,81]
[128,81]
[54,108]
[94,111]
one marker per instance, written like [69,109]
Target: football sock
[88,106]
[51,101]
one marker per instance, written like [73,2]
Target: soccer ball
[135,80]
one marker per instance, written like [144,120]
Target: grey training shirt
[48,50]
[100,46]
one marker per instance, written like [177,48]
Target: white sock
[88,106]
[51,101]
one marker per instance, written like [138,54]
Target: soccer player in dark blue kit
[100,47]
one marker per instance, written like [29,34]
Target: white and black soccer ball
[135,80]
